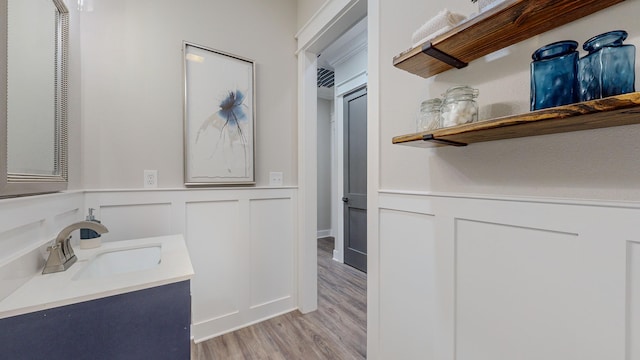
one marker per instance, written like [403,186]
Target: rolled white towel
[439,24]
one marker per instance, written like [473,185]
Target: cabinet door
[146,324]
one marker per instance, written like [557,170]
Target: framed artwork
[219,118]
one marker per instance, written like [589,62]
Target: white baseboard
[337,256]
[324,233]
[210,329]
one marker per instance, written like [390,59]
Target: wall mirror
[33,104]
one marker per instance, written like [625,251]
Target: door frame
[326,25]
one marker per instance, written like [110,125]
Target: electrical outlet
[151,178]
[275,179]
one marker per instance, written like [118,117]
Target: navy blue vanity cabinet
[146,324]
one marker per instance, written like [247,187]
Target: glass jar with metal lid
[429,115]
[459,106]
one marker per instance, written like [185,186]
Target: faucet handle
[53,246]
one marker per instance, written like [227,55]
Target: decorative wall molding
[344,47]
[353,82]
[521,199]
[27,226]
[351,51]
[241,241]
[332,19]
[532,272]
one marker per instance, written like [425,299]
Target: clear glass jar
[459,106]
[609,68]
[553,75]
[429,115]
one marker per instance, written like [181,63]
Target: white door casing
[333,19]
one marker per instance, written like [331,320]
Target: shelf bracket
[428,49]
[429,137]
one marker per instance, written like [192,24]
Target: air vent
[325,78]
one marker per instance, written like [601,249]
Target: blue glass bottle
[609,68]
[553,75]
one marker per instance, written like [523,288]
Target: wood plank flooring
[337,330]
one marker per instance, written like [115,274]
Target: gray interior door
[355,179]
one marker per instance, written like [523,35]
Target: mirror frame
[12,184]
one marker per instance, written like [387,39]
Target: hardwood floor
[337,330]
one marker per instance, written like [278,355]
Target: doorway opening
[341,183]
[341,132]
[333,19]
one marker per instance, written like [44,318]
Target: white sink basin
[113,262]
[117,267]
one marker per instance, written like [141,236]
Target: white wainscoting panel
[515,292]
[633,301]
[407,300]
[240,241]
[27,226]
[507,278]
[22,237]
[272,254]
[214,244]
[135,220]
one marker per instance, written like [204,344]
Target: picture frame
[219,117]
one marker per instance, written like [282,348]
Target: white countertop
[58,289]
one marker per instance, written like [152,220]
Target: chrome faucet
[61,255]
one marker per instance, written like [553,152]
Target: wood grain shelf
[602,113]
[508,23]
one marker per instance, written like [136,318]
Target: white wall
[306,9]
[132,107]
[126,116]
[562,165]
[510,274]
[325,171]
[132,84]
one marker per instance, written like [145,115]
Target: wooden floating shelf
[508,23]
[602,113]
